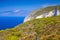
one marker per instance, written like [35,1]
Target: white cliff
[41,14]
[51,13]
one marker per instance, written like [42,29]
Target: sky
[23,7]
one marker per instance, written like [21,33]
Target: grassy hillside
[37,29]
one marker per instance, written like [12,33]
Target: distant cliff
[42,13]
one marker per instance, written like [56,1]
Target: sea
[10,22]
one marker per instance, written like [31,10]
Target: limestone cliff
[42,13]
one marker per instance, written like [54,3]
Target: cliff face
[42,13]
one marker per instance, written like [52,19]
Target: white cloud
[17,10]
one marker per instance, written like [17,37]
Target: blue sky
[23,7]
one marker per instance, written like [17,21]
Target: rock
[42,13]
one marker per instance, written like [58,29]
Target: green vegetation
[37,29]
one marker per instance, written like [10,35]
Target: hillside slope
[37,29]
[40,13]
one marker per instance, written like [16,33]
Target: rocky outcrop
[51,13]
[42,13]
